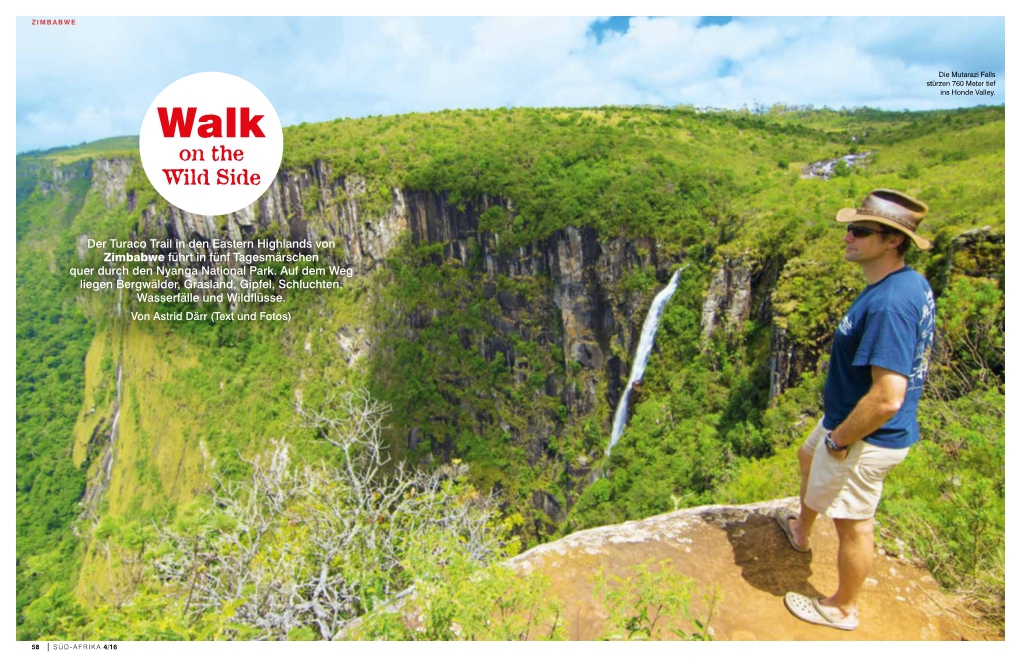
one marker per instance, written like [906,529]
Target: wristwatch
[832,446]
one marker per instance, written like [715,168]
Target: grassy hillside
[106,148]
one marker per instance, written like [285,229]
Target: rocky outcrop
[109,176]
[728,300]
[309,204]
[741,566]
[781,362]
[741,292]
[740,552]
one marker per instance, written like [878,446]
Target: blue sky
[97,78]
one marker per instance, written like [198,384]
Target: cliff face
[316,205]
[741,292]
[728,299]
[578,306]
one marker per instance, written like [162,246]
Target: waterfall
[641,358]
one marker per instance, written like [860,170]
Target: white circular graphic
[211,143]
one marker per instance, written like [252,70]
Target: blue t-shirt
[891,324]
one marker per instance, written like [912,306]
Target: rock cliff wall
[315,204]
[728,299]
[583,308]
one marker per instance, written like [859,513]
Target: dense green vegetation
[705,187]
[52,338]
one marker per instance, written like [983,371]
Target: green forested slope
[52,338]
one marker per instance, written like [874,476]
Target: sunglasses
[860,232]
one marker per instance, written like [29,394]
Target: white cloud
[97,78]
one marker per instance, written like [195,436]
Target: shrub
[650,604]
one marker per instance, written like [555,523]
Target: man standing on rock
[879,361]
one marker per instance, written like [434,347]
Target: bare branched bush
[304,550]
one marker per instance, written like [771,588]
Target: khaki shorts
[848,488]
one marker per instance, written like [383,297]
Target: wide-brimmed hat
[890,208]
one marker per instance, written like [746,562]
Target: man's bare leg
[856,554]
[801,526]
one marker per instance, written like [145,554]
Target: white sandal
[810,610]
[782,518]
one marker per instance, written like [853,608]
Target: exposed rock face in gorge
[728,299]
[582,268]
[741,551]
[580,307]
[781,363]
[110,177]
[740,292]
